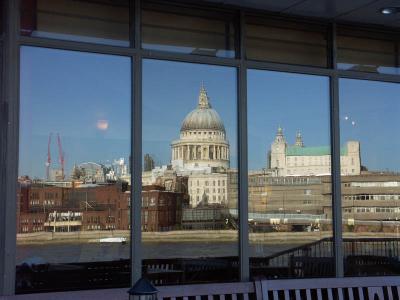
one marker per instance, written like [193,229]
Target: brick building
[43,207]
[161,209]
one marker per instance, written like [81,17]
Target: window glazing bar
[368,76]
[136,180]
[75,46]
[331,50]
[9,126]
[335,160]
[137,29]
[335,167]
[269,66]
[243,163]
[161,55]
[136,163]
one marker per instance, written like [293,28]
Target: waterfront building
[161,209]
[84,207]
[297,159]
[208,188]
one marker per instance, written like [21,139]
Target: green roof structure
[312,151]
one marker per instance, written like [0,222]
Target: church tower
[299,140]
[278,153]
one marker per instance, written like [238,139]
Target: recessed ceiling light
[389,10]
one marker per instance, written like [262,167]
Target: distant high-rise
[148,163]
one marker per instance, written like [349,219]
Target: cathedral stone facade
[203,141]
[299,160]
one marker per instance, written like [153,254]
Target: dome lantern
[203,98]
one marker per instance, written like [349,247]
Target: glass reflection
[371,196]
[189,198]
[100,22]
[288,42]
[73,199]
[199,32]
[367,51]
[290,220]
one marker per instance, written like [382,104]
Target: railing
[313,259]
[362,257]
[370,256]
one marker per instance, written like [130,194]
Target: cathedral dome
[204,117]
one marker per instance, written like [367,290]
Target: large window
[85,123]
[370,177]
[280,41]
[290,220]
[189,197]
[100,22]
[368,51]
[201,32]
[73,199]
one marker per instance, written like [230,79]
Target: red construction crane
[48,163]
[60,156]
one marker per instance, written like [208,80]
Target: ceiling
[360,11]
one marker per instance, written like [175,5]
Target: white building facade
[299,160]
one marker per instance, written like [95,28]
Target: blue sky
[374,107]
[70,92]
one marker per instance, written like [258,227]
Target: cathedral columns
[181,152]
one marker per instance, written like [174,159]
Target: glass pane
[370,177]
[73,200]
[100,22]
[367,52]
[189,198]
[286,42]
[290,224]
[192,32]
